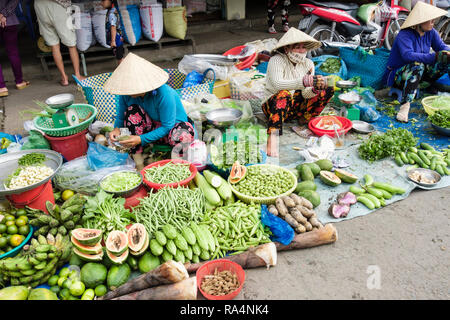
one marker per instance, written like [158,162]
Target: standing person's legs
[271,6]
[57,57]
[285,15]
[3,89]
[74,57]
[12,50]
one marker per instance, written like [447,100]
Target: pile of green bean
[175,206]
[262,181]
[236,227]
[168,173]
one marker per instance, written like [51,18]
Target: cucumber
[366,201]
[210,193]
[368,179]
[356,190]
[189,235]
[417,159]
[424,157]
[426,146]
[389,188]
[375,192]
[446,170]
[169,231]
[171,247]
[433,163]
[201,239]
[413,149]
[224,190]
[398,160]
[411,160]
[212,179]
[440,170]
[386,194]
[374,199]
[404,157]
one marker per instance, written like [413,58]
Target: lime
[77,288]
[71,297]
[9,217]
[67,194]
[3,228]
[53,281]
[10,223]
[12,230]
[89,294]
[16,240]
[22,221]
[64,294]
[64,272]
[24,230]
[13,212]
[2,252]
[74,275]
[21,212]
[67,283]
[100,290]
[61,281]
[3,242]
[55,289]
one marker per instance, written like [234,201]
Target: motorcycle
[337,25]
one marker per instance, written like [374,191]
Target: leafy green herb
[32,159]
[441,118]
[331,65]
[380,146]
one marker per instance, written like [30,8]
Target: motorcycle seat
[336,5]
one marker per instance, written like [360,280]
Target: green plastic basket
[46,124]
[268,200]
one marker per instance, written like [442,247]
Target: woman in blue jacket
[147,106]
[411,59]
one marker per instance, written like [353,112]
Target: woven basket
[268,200]
[427,105]
[46,124]
[176,80]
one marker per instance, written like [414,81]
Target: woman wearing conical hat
[293,91]
[411,60]
[147,106]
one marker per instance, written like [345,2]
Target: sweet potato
[307,213]
[292,222]
[315,222]
[273,210]
[300,229]
[297,215]
[288,202]
[282,210]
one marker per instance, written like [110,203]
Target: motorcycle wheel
[443,28]
[394,29]
[322,32]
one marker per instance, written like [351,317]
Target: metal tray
[427,172]
[362,127]
[9,163]
[125,193]
[216,59]
[60,101]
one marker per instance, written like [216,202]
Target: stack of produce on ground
[175,206]
[14,228]
[107,213]
[169,173]
[425,156]
[234,228]
[261,181]
[216,190]
[297,211]
[61,219]
[224,156]
[220,283]
[37,262]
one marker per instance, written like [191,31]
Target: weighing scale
[346,108]
[65,116]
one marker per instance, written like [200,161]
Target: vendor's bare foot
[402,115]
[64,81]
[80,77]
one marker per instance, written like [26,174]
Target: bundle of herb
[441,118]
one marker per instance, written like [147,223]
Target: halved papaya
[238,172]
[117,242]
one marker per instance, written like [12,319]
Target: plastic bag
[281,230]
[319,63]
[36,141]
[193,78]
[367,107]
[76,175]
[199,105]
[190,63]
[100,157]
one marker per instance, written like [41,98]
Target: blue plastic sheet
[100,157]
[367,107]
[281,230]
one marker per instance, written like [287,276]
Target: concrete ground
[398,252]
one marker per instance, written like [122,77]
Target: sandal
[22,85]
[62,83]
[4,93]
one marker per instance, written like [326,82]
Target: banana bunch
[61,219]
[37,262]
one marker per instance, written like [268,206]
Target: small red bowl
[158,186]
[221,265]
[243,63]
[320,132]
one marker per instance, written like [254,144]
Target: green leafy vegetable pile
[32,159]
[441,118]
[388,144]
[331,65]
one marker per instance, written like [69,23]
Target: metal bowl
[126,193]
[431,174]
[362,127]
[223,118]
[60,101]
[441,130]
[346,84]
[9,163]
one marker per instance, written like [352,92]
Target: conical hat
[135,75]
[294,35]
[422,12]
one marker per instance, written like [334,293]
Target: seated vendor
[293,91]
[148,107]
[411,60]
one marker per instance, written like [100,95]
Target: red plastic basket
[221,265]
[244,63]
[320,132]
[158,186]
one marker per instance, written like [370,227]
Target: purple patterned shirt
[8,10]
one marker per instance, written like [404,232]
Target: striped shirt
[64,3]
[282,74]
